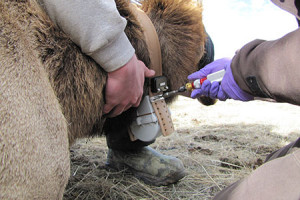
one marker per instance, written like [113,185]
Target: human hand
[124,87]
[228,89]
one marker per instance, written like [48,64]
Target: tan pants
[277,179]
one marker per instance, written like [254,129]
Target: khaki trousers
[277,179]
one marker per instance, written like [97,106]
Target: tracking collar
[153,117]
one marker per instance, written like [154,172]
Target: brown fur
[51,93]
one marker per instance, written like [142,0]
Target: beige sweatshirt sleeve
[96,26]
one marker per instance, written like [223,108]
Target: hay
[218,145]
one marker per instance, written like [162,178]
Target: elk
[51,93]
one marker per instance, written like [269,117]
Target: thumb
[148,72]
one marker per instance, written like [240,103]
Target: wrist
[231,88]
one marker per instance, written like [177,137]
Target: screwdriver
[167,94]
[196,84]
[213,77]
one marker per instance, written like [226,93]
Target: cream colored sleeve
[96,26]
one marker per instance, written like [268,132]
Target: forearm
[96,26]
[270,68]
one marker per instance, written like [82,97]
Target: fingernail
[105,110]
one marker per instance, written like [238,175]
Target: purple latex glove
[228,89]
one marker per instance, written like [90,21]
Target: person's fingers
[205,87]
[149,72]
[107,108]
[222,96]
[196,75]
[116,111]
[138,102]
[195,93]
[214,90]
[119,109]
[127,107]
[135,104]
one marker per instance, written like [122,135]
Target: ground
[218,145]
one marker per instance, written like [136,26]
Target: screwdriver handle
[213,77]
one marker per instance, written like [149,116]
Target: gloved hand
[228,89]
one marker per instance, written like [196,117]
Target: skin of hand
[124,87]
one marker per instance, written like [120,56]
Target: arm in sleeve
[96,26]
[270,68]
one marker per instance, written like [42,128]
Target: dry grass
[218,145]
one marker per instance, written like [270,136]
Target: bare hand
[124,88]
